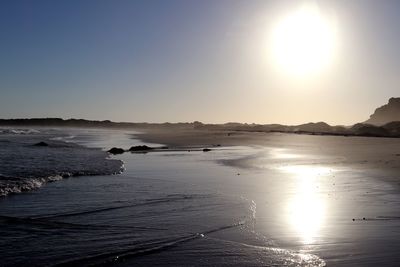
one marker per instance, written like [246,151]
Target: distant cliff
[386,113]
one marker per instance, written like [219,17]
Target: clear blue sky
[187,60]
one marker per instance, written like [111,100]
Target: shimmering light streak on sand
[307,208]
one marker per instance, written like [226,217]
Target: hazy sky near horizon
[186,60]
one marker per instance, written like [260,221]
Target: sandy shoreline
[379,155]
[183,138]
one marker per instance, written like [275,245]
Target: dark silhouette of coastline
[380,124]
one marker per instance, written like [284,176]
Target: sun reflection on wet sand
[279,153]
[306,209]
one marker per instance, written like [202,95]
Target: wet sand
[365,152]
[339,195]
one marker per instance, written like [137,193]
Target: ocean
[70,203]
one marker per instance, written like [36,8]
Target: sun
[304,41]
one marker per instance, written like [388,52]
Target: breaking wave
[17,131]
[26,166]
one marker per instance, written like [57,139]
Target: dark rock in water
[41,144]
[206,149]
[116,150]
[140,148]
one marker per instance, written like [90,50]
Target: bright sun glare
[304,41]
